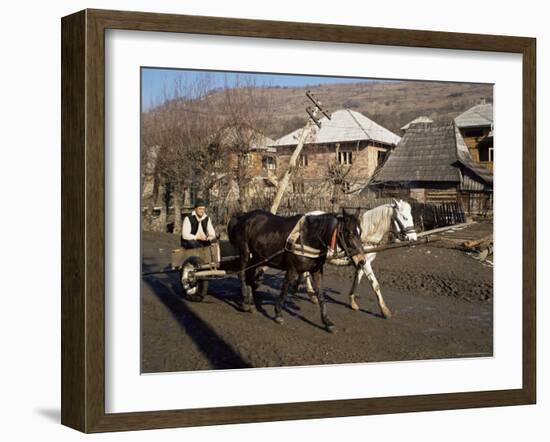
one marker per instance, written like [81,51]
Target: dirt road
[441,300]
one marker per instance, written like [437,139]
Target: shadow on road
[291,306]
[346,305]
[275,283]
[219,353]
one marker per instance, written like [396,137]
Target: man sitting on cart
[197,229]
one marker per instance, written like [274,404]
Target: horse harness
[295,245]
[403,231]
[295,241]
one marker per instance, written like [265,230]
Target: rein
[263,261]
[297,247]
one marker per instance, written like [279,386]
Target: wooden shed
[476,127]
[432,163]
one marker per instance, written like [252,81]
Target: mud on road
[441,300]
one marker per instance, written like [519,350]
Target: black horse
[261,239]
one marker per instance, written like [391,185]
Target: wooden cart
[198,265]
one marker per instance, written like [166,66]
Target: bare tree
[247,108]
[182,130]
[338,175]
[203,139]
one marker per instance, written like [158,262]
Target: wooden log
[442,229]
[398,245]
[477,242]
[341,260]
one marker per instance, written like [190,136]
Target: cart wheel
[193,289]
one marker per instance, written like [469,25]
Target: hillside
[391,104]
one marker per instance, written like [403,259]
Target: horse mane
[375,223]
[319,228]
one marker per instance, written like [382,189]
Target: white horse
[375,224]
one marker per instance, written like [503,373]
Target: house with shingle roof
[346,150]
[476,127]
[432,162]
[421,119]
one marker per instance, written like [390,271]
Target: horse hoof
[331,328]
[352,303]
[313,297]
[279,320]
[387,314]
[245,308]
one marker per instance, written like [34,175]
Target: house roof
[344,125]
[480,115]
[422,119]
[257,140]
[430,152]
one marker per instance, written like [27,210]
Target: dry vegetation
[390,104]
[187,143]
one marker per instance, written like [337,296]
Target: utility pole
[312,120]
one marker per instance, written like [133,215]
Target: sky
[154,81]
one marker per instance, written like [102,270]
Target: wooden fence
[429,216]
[477,203]
[426,215]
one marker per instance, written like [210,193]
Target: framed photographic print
[268,221]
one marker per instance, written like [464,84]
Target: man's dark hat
[199,202]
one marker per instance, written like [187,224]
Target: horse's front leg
[289,276]
[376,287]
[246,295]
[317,283]
[359,272]
[353,291]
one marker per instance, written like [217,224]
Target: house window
[303,161]
[269,163]
[298,187]
[381,156]
[475,132]
[248,159]
[218,163]
[485,153]
[491,153]
[345,157]
[346,186]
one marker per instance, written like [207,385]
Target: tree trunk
[243,198]
[335,197]
[162,221]
[242,184]
[177,197]
[336,186]
[150,214]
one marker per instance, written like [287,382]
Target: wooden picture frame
[83,220]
